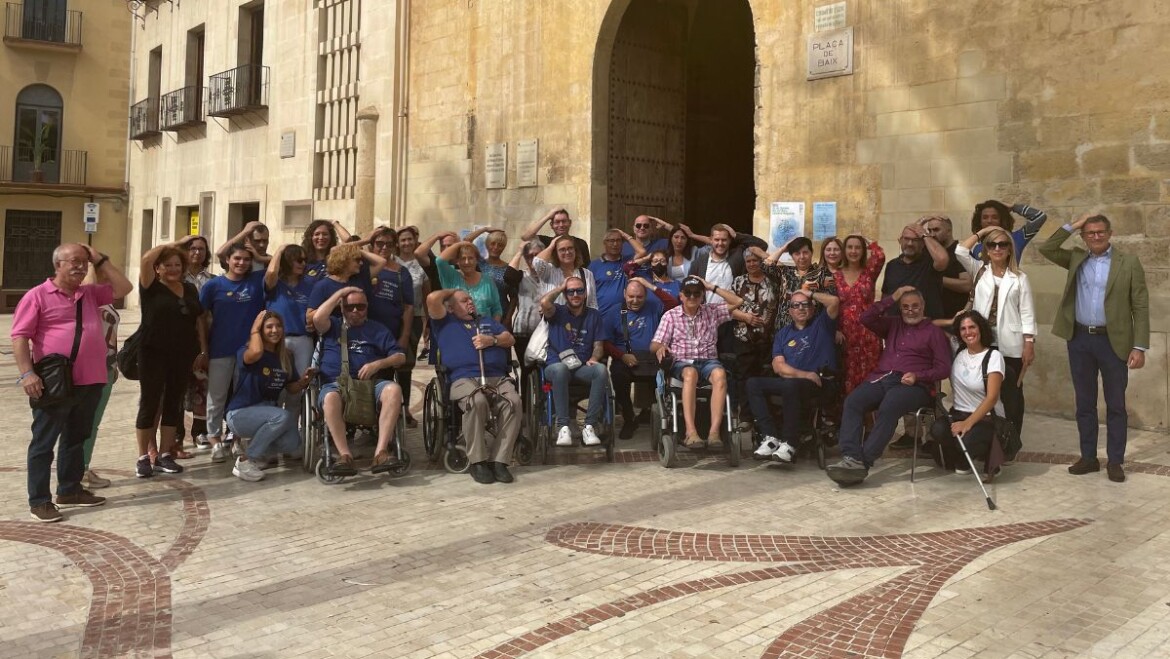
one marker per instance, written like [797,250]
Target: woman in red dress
[855,288]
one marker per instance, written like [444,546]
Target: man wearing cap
[688,333]
[801,351]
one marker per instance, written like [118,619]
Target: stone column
[367,166]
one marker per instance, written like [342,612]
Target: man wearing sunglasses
[646,232]
[689,333]
[574,353]
[1104,314]
[800,352]
[921,266]
[372,349]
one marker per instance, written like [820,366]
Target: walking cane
[493,423]
[978,479]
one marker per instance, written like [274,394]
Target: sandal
[180,454]
[693,442]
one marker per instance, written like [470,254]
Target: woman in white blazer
[1003,295]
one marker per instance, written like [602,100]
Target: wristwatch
[495,340]
[1029,339]
[101,262]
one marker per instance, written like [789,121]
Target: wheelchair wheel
[311,434]
[731,439]
[656,431]
[524,451]
[323,474]
[432,419]
[455,461]
[667,449]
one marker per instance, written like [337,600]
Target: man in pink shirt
[45,322]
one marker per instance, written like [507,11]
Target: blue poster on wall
[824,219]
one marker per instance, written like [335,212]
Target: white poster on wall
[787,222]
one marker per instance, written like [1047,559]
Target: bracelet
[23,376]
[101,262]
[714,289]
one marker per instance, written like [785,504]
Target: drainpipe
[367,168]
[400,142]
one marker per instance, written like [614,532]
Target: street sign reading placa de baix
[830,54]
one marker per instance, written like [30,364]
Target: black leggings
[163,381]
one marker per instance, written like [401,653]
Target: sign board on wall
[829,17]
[193,218]
[91,212]
[495,166]
[288,144]
[830,54]
[824,217]
[787,222]
[526,164]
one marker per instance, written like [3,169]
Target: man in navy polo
[628,331]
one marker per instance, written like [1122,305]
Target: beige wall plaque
[288,144]
[526,163]
[829,17]
[830,54]
[495,166]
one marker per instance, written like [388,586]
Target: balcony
[65,167]
[144,119]
[238,91]
[181,108]
[42,26]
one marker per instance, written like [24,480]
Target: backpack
[127,357]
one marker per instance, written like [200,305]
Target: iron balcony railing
[181,108]
[62,167]
[242,89]
[47,22]
[144,119]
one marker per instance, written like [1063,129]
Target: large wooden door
[647,114]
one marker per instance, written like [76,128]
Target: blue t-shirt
[325,288]
[390,291]
[260,383]
[611,283]
[811,348]
[655,244]
[234,306]
[641,325]
[673,287]
[292,303]
[457,353]
[568,331]
[368,342]
[315,271]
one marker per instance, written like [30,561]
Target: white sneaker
[564,437]
[201,443]
[218,452]
[589,436]
[246,471]
[784,453]
[767,448]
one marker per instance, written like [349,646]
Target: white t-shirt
[967,379]
[719,274]
[418,277]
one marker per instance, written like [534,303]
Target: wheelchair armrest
[442,370]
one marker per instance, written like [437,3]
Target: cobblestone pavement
[589,560]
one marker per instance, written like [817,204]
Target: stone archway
[673,113]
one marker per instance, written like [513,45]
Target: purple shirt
[921,349]
[47,317]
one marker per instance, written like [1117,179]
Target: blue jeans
[705,367]
[1088,356]
[269,426]
[893,400]
[560,376]
[70,422]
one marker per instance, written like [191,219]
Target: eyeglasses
[1095,234]
[574,291]
[355,307]
[998,244]
[911,307]
[800,305]
[383,244]
[75,262]
[693,293]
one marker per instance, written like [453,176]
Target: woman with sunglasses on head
[856,281]
[231,300]
[198,273]
[173,342]
[1003,295]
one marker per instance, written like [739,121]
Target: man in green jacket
[1104,315]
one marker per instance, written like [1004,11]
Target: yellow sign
[194,222]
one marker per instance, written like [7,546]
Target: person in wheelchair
[371,348]
[464,339]
[688,334]
[627,332]
[800,352]
[916,357]
[574,353]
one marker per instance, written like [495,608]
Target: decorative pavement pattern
[587,559]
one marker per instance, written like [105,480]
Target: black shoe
[167,465]
[628,428]
[905,441]
[1085,466]
[482,473]
[1116,474]
[143,468]
[501,473]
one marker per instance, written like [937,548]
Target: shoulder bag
[1006,432]
[56,371]
[647,366]
[357,396]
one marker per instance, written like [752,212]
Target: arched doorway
[676,126]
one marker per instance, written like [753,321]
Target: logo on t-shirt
[313,273]
[267,371]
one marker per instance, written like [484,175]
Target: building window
[29,240]
[43,20]
[38,135]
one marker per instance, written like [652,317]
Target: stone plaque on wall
[829,17]
[526,163]
[288,144]
[830,54]
[495,166]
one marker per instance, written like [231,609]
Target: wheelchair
[821,422]
[667,431]
[318,449]
[443,425]
[539,416]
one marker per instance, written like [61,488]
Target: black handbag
[647,365]
[56,372]
[127,357]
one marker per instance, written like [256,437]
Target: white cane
[978,479]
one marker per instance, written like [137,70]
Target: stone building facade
[703,110]
[63,86]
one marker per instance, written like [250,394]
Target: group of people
[718,310]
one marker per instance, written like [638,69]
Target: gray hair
[62,246]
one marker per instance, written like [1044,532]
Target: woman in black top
[173,340]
